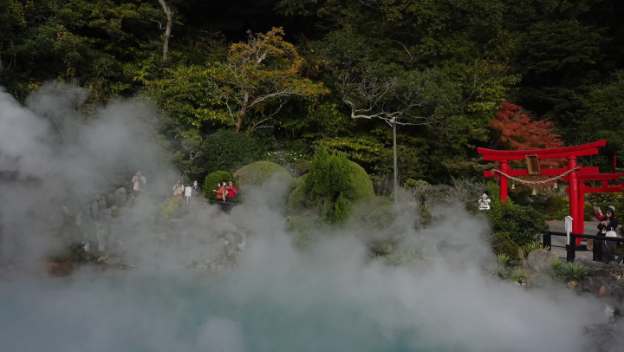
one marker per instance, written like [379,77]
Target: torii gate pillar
[573,196]
[503,192]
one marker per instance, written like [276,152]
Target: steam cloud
[331,297]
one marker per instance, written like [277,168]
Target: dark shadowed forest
[283,77]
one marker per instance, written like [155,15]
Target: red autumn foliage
[519,130]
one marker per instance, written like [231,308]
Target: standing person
[231,190]
[188,192]
[223,191]
[607,228]
[195,186]
[218,192]
[175,188]
[138,180]
[178,189]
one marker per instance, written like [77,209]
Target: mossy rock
[211,181]
[259,172]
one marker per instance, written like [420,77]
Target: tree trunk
[242,113]
[169,15]
[240,118]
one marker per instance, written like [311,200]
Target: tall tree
[259,77]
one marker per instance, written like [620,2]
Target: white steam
[331,297]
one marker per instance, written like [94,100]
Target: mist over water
[329,297]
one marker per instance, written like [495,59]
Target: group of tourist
[225,191]
[186,191]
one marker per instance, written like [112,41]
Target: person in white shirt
[188,193]
[138,180]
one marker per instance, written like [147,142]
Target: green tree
[91,42]
[190,96]
[602,114]
[259,76]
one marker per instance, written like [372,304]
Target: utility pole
[395,166]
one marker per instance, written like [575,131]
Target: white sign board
[568,227]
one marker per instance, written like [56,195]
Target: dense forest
[245,80]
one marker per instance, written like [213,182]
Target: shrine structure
[581,180]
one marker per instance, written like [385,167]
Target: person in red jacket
[220,192]
[232,191]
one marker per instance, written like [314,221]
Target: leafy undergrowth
[567,272]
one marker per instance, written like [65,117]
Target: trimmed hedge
[332,186]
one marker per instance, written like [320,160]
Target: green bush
[553,204]
[259,172]
[210,182]
[296,197]
[522,223]
[569,271]
[503,245]
[228,150]
[507,270]
[375,212]
[526,249]
[503,260]
[334,184]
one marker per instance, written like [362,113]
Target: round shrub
[257,173]
[210,182]
[334,184]
[522,223]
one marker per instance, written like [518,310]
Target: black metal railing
[571,248]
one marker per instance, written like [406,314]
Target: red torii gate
[576,176]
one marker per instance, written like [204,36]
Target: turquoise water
[153,314]
[279,299]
